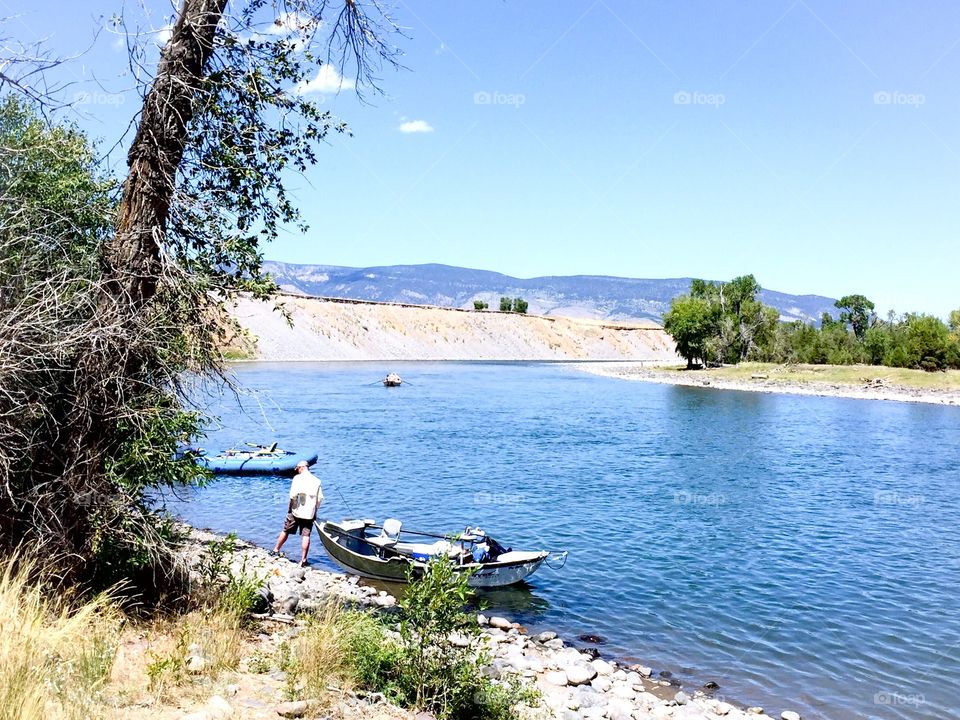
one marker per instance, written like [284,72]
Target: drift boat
[265,460]
[386,552]
[392,380]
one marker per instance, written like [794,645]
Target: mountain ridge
[606,297]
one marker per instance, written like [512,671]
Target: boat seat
[389,534]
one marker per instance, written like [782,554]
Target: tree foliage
[720,322]
[109,307]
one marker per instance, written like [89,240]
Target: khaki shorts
[297,526]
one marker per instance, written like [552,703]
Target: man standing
[305,498]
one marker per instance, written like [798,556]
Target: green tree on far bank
[720,322]
[856,311]
[505,304]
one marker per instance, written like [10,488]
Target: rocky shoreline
[765,384]
[574,684]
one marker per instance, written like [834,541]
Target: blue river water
[801,552]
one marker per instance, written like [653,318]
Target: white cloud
[292,23]
[415,126]
[328,80]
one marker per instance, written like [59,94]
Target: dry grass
[55,658]
[317,656]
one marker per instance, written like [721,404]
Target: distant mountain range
[590,296]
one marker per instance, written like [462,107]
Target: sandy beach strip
[768,383]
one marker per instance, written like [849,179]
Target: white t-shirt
[306,495]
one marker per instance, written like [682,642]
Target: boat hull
[252,465]
[347,549]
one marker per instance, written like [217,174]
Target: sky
[812,143]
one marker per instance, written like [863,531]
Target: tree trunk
[132,257]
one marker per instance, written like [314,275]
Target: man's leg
[281,539]
[304,546]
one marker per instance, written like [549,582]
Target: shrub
[520,305]
[480,305]
[506,304]
[417,663]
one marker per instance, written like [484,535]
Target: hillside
[335,330]
[587,296]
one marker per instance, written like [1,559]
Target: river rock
[579,674]
[290,604]
[218,708]
[722,708]
[601,684]
[294,709]
[594,713]
[623,691]
[556,677]
[555,644]
[602,667]
[587,698]
[620,709]
[681,698]
[500,623]
[789,715]
[482,620]
[642,670]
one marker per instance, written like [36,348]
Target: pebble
[555,644]
[642,670]
[545,637]
[196,664]
[681,698]
[723,708]
[500,623]
[482,620]
[789,715]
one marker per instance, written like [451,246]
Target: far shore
[862,382]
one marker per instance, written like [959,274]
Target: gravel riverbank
[575,684]
[765,383]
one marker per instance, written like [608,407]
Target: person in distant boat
[305,497]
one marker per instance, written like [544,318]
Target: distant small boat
[380,553]
[392,380]
[259,460]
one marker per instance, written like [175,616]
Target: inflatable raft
[262,461]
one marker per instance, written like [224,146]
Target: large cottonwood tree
[223,120]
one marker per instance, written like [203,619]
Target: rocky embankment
[329,330]
[574,684]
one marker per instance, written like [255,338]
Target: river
[801,552]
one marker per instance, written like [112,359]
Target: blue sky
[812,143]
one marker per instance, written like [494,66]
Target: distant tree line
[717,323]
